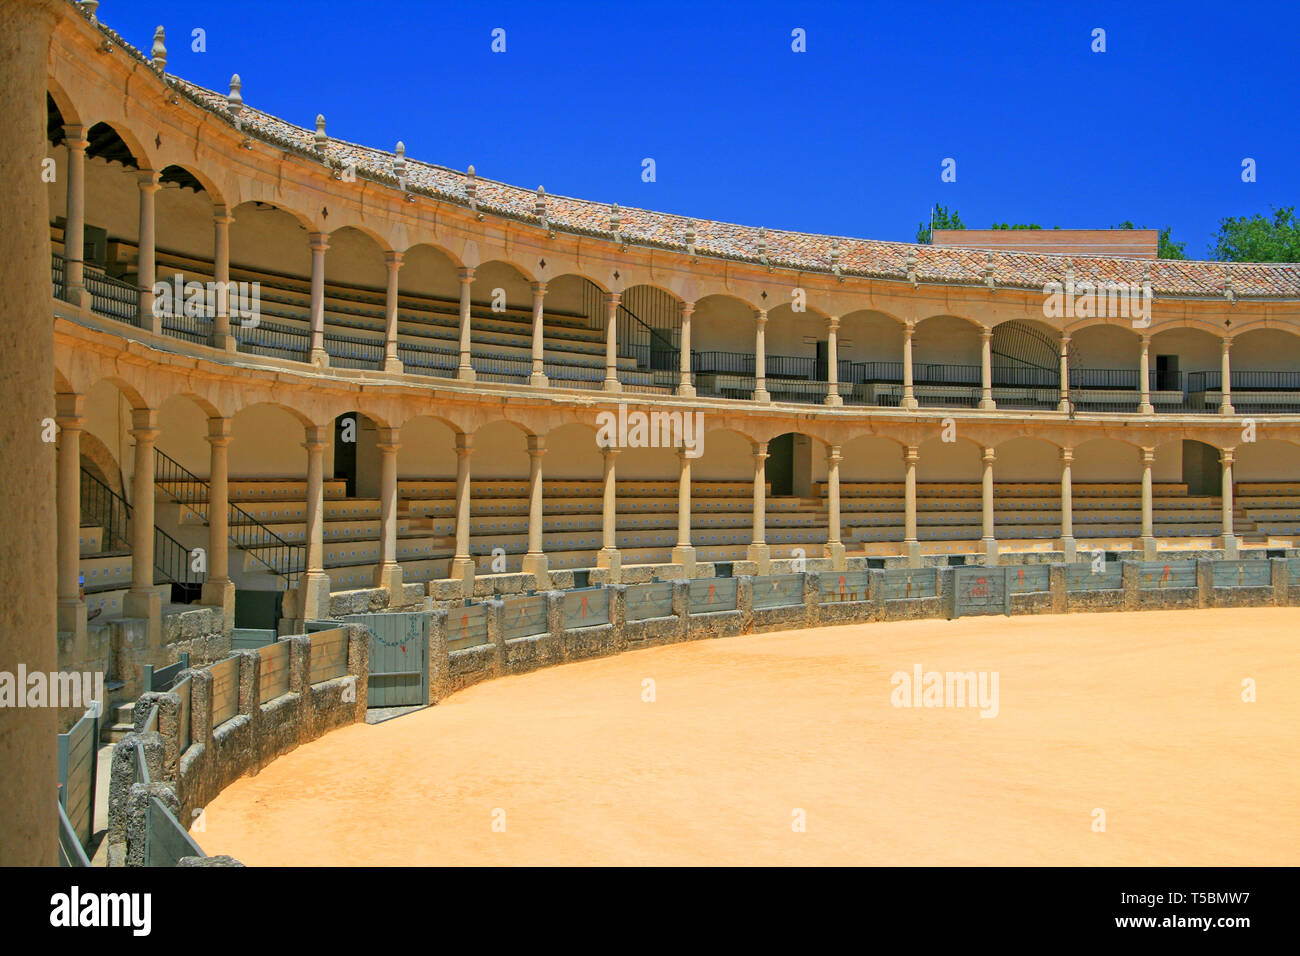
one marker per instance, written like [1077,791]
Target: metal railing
[274,340]
[248,534]
[353,351]
[1244,381]
[58,274]
[428,359]
[111,297]
[102,506]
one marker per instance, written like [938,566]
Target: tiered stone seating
[501,342]
[873,512]
[1271,508]
[106,575]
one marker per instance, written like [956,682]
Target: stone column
[218,589]
[833,361]
[1144,374]
[74,232]
[535,562]
[70,407]
[609,556]
[28,564]
[462,565]
[759,552]
[990,541]
[1230,544]
[389,573]
[685,387]
[145,268]
[986,370]
[611,342]
[221,334]
[760,356]
[1148,525]
[392,362]
[319,243]
[1064,406]
[911,544]
[909,397]
[315,582]
[538,377]
[465,372]
[142,601]
[834,545]
[1225,406]
[684,553]
[1068,544]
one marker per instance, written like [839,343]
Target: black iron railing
[273,339]
[1244,381]
[111,297]
[353,351]
[248,534]
[59,275]
[428,359]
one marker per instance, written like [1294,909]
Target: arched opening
[650,321]
[356,279]
[356,455]
[270,246]
[1265,373]
[502,324]
[1026,364]
[946,362]
[722,347]
[871,357]
[1179,361]
[1104,362]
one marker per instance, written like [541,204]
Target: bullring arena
[332,431]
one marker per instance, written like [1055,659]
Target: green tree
[942,219]
[1166,248]
[1259,238]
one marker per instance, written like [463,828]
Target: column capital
[990,456]
[318,241]
[613,298]
[536,446]
[833,456]
[833,322]
[1146,339]
[610,451]
[465,275]
[1226,456]
[388,439]
[760,449]
[221,215]
[69,409]
[912,454]
[760,316]
[539,288]
[1227,342]
[317,436]
[909,329]
[688,308]
[144,423]
[986,334]
[1065,341]
[149,180]
[1067,455]
[464,445]
[1148,455]
[219,431]
[74,137]
[393,259]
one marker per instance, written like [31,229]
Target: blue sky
[846,138]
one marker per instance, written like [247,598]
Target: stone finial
[988,270]
[1069,275]
[615,219]
[1228,291]
[471,183]
[233,99]
[539,204]
[399,160]
[159,53]
[90,6]
[911,266]
[835,256]
[321,138]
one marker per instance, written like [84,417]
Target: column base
[72,618]
[991,551]
[761,395]
[1146,408]
[148,606]
[539,380]
[761,555]
[684,554]
[1064,405]
[613,385]
[389,577]
[393,365]
[837,555]
[1227,409]
[220,592]
[913,550]
[1070,547]
[988,405]
[313,603]
[539,568]
[686,391]
[78,296]
[224,342]
[1231,547]
[909,403]
[1149,550]
[320,358]
[466,374]
[611,559]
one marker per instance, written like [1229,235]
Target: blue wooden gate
[399,657]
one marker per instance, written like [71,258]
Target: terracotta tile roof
[862,257]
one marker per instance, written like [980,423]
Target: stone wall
[218,756]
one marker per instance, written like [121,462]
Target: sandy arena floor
[1138,714]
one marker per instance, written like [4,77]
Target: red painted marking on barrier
[584,606]
[711,589]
